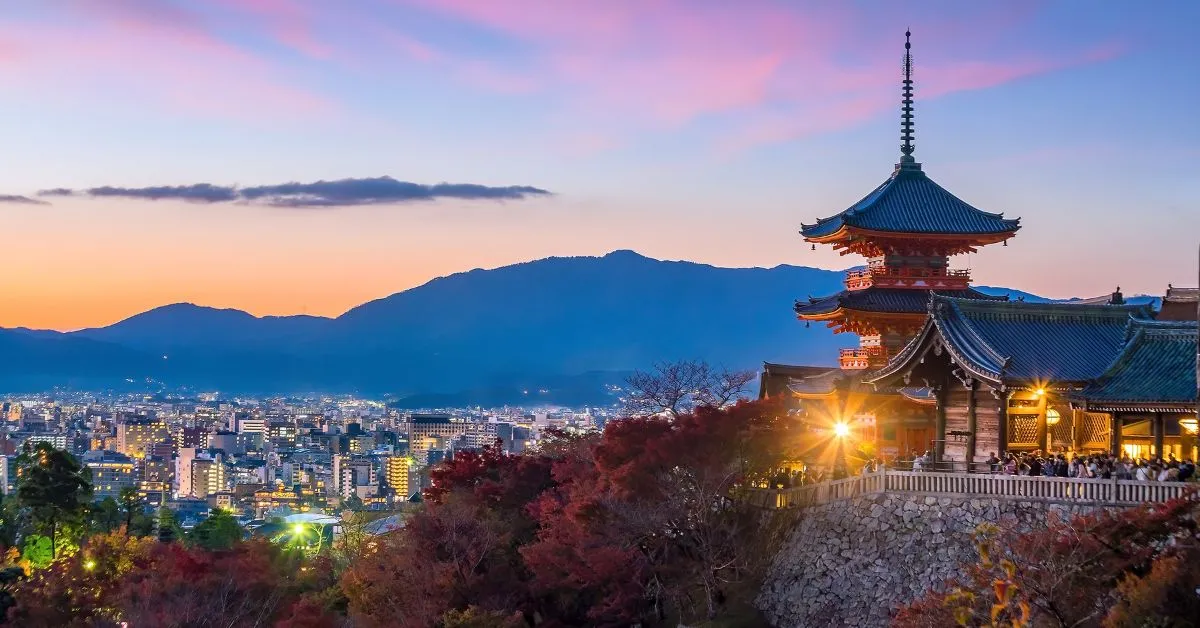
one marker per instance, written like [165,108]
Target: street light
[841,429]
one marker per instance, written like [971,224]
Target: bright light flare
[841,429]
[89,565]
[298,529]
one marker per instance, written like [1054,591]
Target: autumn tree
[650,526]
[461,551]
[642,524]
[82,589]
[249,585]
[1107,568]
[674,388]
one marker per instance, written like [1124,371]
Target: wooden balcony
[862,358]
[974,485]
[908,277]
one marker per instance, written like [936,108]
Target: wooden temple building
[944,368]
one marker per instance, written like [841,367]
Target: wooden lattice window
[1023,428]
[1096,430]
[1060,432]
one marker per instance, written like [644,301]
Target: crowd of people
[1094,466]
[1035,463]
[1065,465]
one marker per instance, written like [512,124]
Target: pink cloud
[159,52]
[783,71]
[291,23]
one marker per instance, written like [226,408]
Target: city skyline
[692,131]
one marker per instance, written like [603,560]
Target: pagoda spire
[907,160]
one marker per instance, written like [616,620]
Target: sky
[305,156]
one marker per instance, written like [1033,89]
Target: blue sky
[699,130]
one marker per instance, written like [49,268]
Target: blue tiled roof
[1016,341]
[898,300]
[910,202]
[1157,365]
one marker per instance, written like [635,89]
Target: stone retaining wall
[853,562]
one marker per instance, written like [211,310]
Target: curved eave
[849,232]
[914,353]
[966,362]
[832,315]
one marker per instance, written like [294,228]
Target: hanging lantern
[1189,424]
[1052,417]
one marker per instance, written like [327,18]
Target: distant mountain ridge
[559,329]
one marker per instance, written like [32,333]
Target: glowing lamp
[89,565]
[1052,417]
[841,429]
[1039,392]
[298,528]
[1189,424]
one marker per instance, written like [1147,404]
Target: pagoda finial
[906,116]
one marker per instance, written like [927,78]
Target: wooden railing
[862,357]
[1115,492]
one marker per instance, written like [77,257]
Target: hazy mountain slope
[493,333]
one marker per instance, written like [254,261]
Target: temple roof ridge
[1018,309]
[1013,340]
[1155,366]
[909,201]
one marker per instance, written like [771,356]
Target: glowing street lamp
[841,429]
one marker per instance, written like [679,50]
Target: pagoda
[907,229]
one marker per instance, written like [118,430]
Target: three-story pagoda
[907,228]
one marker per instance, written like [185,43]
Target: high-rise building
[136,435]
[250,424]
[111,472]
[282,433]
[208,475]
[350,472]
[397,474]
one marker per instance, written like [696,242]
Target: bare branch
[675,388]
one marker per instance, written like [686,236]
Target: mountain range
[559,330]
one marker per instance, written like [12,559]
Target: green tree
[10,519]
[168,526]
[218,531]
[132,505]
[353,503]
[105,515]
[55,488]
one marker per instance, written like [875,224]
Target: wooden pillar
[1157,426]
[1077,419]
[1002,421]
[1043,433]
[972,424]
[939,423]
[1114,437]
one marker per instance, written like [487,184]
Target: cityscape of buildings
[263,458]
